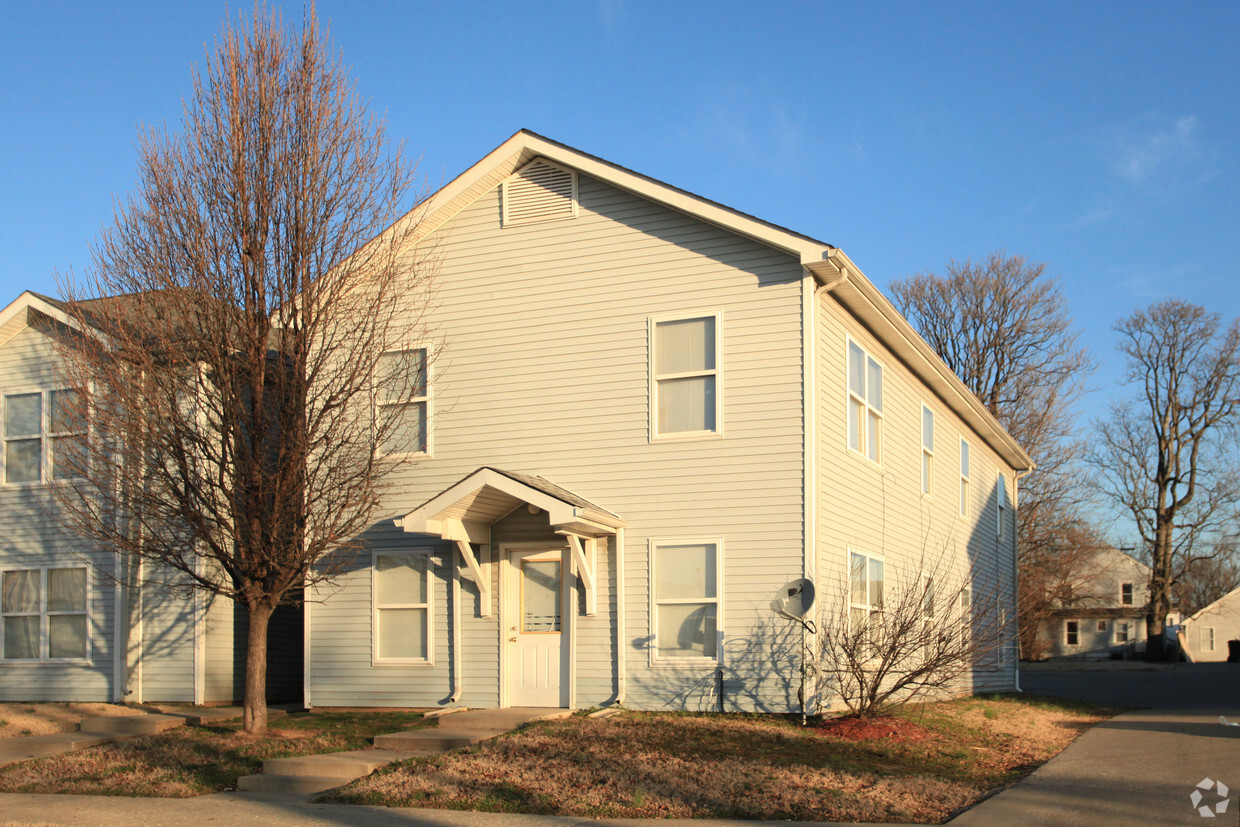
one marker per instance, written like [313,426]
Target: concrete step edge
[289,784]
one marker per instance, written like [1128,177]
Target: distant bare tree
[1167,456]
[928,631]
[246,352]
[1205,581]
[1003,326]
[1056,574]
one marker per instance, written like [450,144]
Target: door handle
[512,639]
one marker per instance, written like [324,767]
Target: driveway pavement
[1140,767]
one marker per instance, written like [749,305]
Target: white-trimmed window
[1072,633]
[1102,626]
[927,451]
[865,402]
[403,400]
[45,614]
[965,602]
[1001,503]
[403,599]
[1123,631]
[1207,638]
[1125,594]
[685,376]
[685,588]
[866,579]
[964,478]
[43,430]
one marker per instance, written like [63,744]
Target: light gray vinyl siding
[543,368]
[167,638]
[224,650]
[33,537]
[1223,616]
[879,509]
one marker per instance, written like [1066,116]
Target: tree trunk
[256,669]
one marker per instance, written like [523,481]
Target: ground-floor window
[686,587]
[1123,631]
[44,613]
[1207,638]
[402,600]
[1072,633]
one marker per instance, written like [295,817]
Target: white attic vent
[540,191]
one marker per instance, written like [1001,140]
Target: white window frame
[1122,631]
[45,436]
[1208,642]
[1068,632]
[45,639]
[869,606]
[1001,505]
[652,323]
[966,467]
[1132,594]
[927,452]
[1101,626]
[424,400]
[867,409]
[656,601]
[429,606]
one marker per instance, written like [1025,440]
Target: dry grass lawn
[938,759]
[191,760]
[18,719]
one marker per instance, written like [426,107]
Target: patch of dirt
[897,730]
[19,720]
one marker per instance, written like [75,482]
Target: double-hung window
[44,614]
[1072,633]
[865,402]
[1125,594]
[1207,638]
[964,478]
[685,376]
[686,588]
[402,600]
[403,400]
[927,451]
[865,589]
[44,433]
[1123,631]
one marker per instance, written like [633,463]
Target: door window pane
[540,595]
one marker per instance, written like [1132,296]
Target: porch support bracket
[475,574]
[584,558]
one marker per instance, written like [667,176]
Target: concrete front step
[345,765]
[432,740]
[131,725]
[37,746]
[299,785]
[216,714]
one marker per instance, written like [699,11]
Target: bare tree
[1205,581]
[1056,574]
[923,637]
[1003,326]
[1167,456]
[246,350]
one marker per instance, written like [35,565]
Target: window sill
[402,662]
[684,663]
[687,436]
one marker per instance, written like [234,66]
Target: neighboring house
[1106,617]
[78,623]
[644,413]
[1204,636]
[650,413]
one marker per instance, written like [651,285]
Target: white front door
[534,622]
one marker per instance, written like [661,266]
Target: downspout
[621,684]
[456,628]
[824,275]
[120,631]
[1016,566]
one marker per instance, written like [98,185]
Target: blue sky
[1101,138]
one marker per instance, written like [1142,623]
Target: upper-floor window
[964,478]
[44,431]
[685,589]
[1125,594]
[402,600]
[685,376]
[1001,503]
[927,450]
[865,402]
[403,400]
[44,614]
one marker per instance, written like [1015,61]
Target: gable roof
[22,310]
[1231,595]
[831,269]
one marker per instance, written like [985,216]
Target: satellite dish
[795,600]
